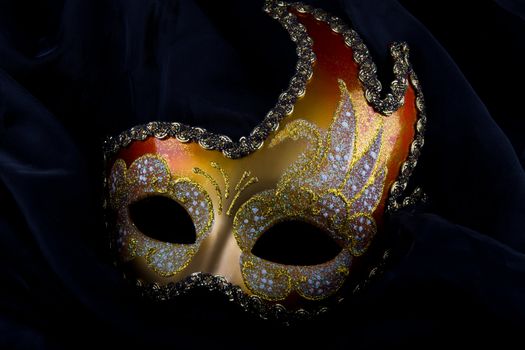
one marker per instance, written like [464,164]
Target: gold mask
[332,154]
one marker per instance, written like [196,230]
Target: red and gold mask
[331,154]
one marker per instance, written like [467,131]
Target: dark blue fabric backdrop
[72,72]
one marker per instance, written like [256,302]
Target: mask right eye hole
[163,219]
[295,242]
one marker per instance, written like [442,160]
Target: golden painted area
[219,253]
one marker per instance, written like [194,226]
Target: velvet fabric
[73,72]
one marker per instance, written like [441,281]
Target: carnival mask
[331,155]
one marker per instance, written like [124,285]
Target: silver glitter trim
[296,88]
[397,198]
[367,68]
[254,141]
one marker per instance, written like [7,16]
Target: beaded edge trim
[284,107]
[296,89]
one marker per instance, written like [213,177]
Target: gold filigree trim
[225,178]
[215,185]
[239,188]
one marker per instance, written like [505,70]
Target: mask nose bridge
[229,183]
[219,253]
[221,243]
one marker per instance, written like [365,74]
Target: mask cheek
[269,280]
[275,281]
[126,239]
[364,228]
[164,258]
[320,281]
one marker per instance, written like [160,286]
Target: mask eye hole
[296,242]
[163,219]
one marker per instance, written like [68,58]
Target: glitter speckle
[321,193]
[149,175]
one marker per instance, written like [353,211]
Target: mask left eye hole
[295,242]
[163,219]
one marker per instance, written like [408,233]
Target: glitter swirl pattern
[149,175]
[329,186]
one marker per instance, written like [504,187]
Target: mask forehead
[334,110]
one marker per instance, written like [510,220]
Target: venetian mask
[332,156]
